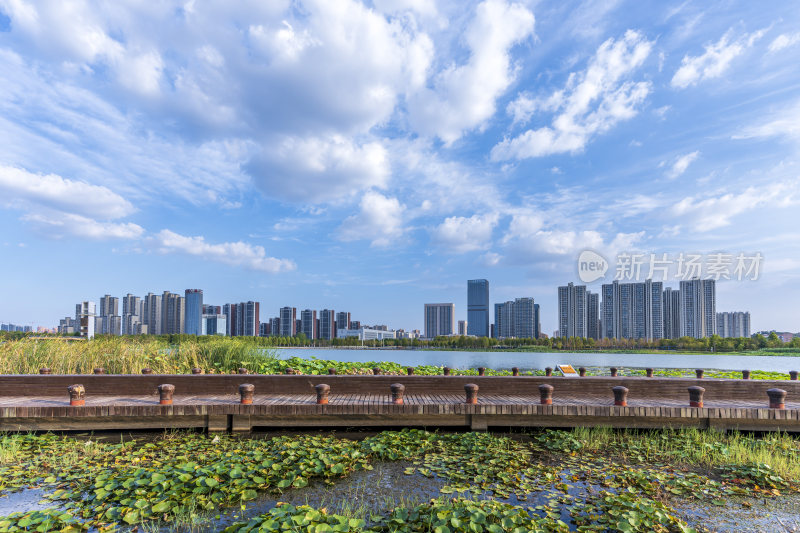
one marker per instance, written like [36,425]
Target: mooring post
[548,371]
[446,371]
[582,372]
[481,371]
[745,374]
[398,391]
[620,395]
[288,371]
[613,370]
[472,393]
[545,394]
[696,396]
[246,391]
[45,371]
[515,371]
[323,390]
[99,370]
[331,371]
[197,371]
[793,375]
[777,398]
[77,395]
[699,373]
[648,372]
[242,370]
[147,371]
[376,371]
[165,393]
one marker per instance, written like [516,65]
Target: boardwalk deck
[32,403]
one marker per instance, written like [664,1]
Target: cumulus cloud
[465,234]
[463,97]
[53,191]
[239,254]
[714,61]
[784,40]
[681,164]
[60,225]
[591,103]
[380,220]
[711,212]
[316,169]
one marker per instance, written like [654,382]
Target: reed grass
[129,355]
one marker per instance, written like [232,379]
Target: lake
[540,360]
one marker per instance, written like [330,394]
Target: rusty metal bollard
[376,371]
[548,371]
[242,370]
[515,371]
[472,393]
[582,372]
[481,370]
[699,373]
[323,391]
[410,370]
[398,390]
[620,395]
[331,371]
[45,371]
[147,371]
[648,372]
[745,374]
[545,394]
[197,371]
[77,395]
[793,375]
[613,370]
[777,398]
[288,371]
[246,391]
[99,370]
[165,393]
[446,371]
[696,396]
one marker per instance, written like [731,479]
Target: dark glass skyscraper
[478,307]
[194,311]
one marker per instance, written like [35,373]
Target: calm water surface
[540,360]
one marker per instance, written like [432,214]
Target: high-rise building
[212,309]
[672,313]
[275,326]
[108,321]
[478,307]
[698,308]
[308,323]
[243,319]
[572,311]
[516,319]
[462,327]
[151,313]
[213,324]
[194,311]
[327,324]
[263,329]
[343,320]
[633,310]
[173,313]
[84,318]
[288,318]
[592,315]
[733,324]
[439,320]
[537,320]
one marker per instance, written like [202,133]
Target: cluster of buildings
[512,319]
[15,327]
[647,310]
[172,313]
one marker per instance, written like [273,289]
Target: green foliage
[47,520]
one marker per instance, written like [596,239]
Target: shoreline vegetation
[180,354]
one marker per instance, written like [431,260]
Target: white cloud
[59,225]
[55,192]
[379,220]
[491,259]
[463,97]
[784,40]
[784,123]
[316,169]
[708,212]
[240,254]
[592,102]
[681,164]
[714,61]
[465,234]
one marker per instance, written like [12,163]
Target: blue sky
[373,157]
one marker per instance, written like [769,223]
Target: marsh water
[504,360]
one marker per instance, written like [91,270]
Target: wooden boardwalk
[31,403]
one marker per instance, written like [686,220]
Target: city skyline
[373,156]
